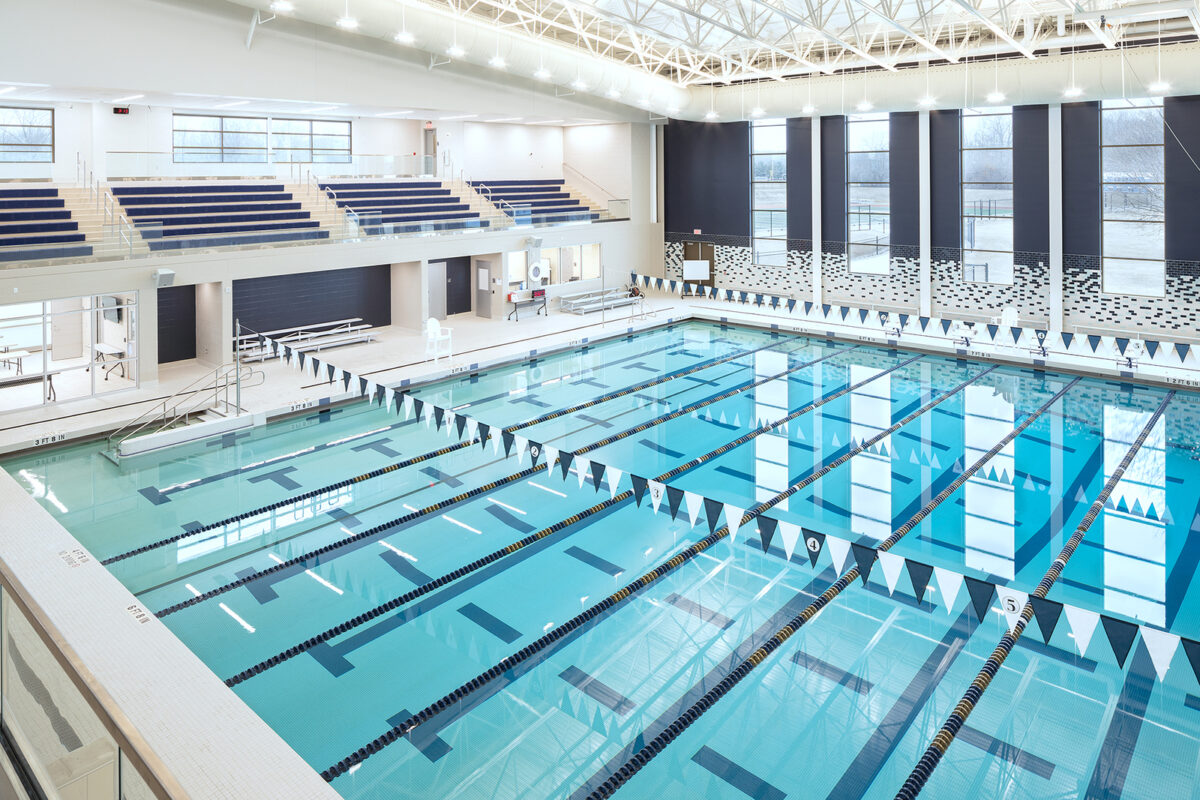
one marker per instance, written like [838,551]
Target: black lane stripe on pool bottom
[297,563]
[672,731]
[736,776]
[540,536]
[608,603]
[194,531]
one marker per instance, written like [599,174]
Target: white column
[925,217]
[816,209]
[1056,218]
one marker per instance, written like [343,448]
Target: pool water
[843,709]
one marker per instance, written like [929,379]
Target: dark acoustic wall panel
[833,179]
[1031,179]
[707,176]
[904,178]
[176,323]
[1081,179]
[1183,179]
[945,203]
[799,178]
[287,301]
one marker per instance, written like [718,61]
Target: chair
[435,336]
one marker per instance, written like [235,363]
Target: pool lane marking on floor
[660,742]
[423,457]
[736,776]
[599,691]
[357,540]
[682,557]
[498,628]
[932,756]
[699,611]
[539,539]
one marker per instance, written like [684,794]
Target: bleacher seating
[404,206]
[307,338]
[35,224]
[537,202]
[200,214]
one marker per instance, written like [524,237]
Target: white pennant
[1011,602]
[733,518]
[472,428]
[408,405]
[949,584]
[892,565]
[495,434]
[790,533]
[1162,646]
[551,454]
[657,490]
[582,468]
[449,419]
[694,503]
[839,551]
[428,414]
[389,396]
[614,478]
[520,444]
[1083,625]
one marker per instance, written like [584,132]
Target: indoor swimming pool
[466,624]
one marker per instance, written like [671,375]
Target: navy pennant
[883,317]
[658,283]
[924,323]
[274,348]
[535,450]
[508,443]
[1151,347]
[992,330]
[758,298]
[639,488]
[1047,613]
[712,512]
[362,386]
[743,297]
[565,460]
[1120,636]
[597,475]
[903,320]
[1041,335]
[484,431]
[1182,351]
[633,277]
[919,574]
[674,498]
[330,369]
[808,306]
[287,353]
[713,292]
[775,301]
[845,310]
[945,326]
[301,356]
[1122,344]
[460,423]
[672,285]
[729,295]
[981,596]
[766,531]
[438,414]
[1067,338]
[346,380]
[814,542]
[791,306]
[381,395]
[418,407]
[862,314]
[1016,334]
[864,557]
[1192,649]
[1093,341]
[826,308]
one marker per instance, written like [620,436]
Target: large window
[768,191]
[555,265]
[253,139]
[868,195]
[987,195]
[26,135]
[1131,162]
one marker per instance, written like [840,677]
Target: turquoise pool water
[843,709]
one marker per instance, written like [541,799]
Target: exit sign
[696,231]
[120,109]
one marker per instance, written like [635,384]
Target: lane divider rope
[299,498]
[958,717]
[656,745]
[443,505]
[682,557]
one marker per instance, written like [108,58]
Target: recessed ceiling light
[347,23]
[614,93]
[710,115]
[1072,91]
[404,37]
[498,62]
[995,97]
[129,99]
[808,109]
[1159,87]
[865,105]
[757,112]
[927,101]
[542,74]
[283,6]
[454,51]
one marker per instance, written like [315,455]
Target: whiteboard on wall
[695,270]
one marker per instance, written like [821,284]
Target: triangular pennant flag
[346,378]
[1083,625]
[946,326]
[1120,636]
[1093,342]
[924,323]
[981,596]
[992,330]
[790,534]
[1162,646]
[549,451]
[418,408]
[919,574]
[460,424]
[808,306]
[565,459]
[1191,648]
[1047,613]
[694,503]
[949,584]
[839,550]
[1151,347]
[712,513]
[657,491]
[826,308]
[743,296]
[892,565]
[766,531]
[814,542]
[674,500]
[300,356]
[582,465]
[485,431]
[362,385]
[791,306]
[845,311]
[1067,339]
[389,397]
[864,557]
[509,440]
[733,519]
[408,405]
[862,314]
[439,414]
[1016,334]
[1012,601]
[639,488]
[472,428]
[883,318]
[614,480]
[1122,344]
[597,475]
[1182,351]
[904,320]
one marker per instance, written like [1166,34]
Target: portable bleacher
[537,202]
[307,338]
[35,224]
[201,214]
[384,207]
[584,302]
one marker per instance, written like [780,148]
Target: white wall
[509,152]
[602,154]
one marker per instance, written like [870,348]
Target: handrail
[170,406]
[586,179]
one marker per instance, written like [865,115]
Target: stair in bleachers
[37,223]
[408,206]
[203,214]
[541,201]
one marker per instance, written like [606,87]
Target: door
[701,251]
[436,284]
[458,285]
[483,288]
[430,161]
